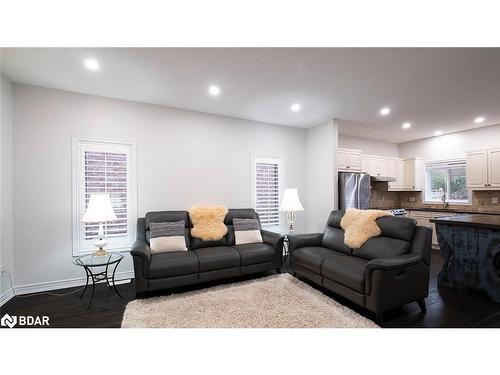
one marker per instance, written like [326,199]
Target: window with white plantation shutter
[106,172]
[267,191]
[104,167]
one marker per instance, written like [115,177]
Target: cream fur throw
[208,222]
[360,225]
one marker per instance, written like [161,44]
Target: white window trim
[254,158]
[427,182]
[77,143]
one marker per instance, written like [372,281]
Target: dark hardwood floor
[446,307]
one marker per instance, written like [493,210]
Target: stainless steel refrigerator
[354,190]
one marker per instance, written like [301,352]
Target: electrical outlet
[412,199]
[494,200]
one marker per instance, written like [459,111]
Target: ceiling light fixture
[406,125]
[214,90]
[295,107]
[385,111]
[92,64]
[438,132]
[479,120]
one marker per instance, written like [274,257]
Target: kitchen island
[470,245]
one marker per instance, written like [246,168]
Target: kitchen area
[399,184]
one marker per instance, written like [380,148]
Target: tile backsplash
[482,201]
[381,198]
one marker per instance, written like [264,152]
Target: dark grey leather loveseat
[388,271]
[204,261]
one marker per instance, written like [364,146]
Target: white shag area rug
[278,301]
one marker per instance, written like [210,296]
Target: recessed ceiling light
[479,120]
[295,107]
[91,64]
[438,132]
[385,111]
[406,125]
[214,90]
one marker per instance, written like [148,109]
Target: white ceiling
[440,88]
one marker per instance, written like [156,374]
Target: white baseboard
[6,296]
[68,283]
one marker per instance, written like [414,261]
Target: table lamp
[291,205]
[99,211]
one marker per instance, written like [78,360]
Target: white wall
[321,174]
[369,146]
[184,158]
[6,184]
[452,145]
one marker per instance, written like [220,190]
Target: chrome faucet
[443,198]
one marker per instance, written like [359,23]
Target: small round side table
[91,261]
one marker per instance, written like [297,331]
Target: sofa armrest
[272,238]
[141,252]
[390,264]
[422,243]
[296,241]
[276,241]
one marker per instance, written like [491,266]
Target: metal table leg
[113,279]
[93,288]
[86,283]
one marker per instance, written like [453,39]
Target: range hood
[379,178]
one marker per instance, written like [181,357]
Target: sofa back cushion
[167,217]
[395,239]
[333,238]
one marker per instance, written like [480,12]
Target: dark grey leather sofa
[204,261]
[388,271]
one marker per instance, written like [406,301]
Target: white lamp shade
[99,209]
[291,202]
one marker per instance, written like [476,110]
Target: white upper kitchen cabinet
[477,170]
[398,166]
[494,169]
[413,174]
[349,160]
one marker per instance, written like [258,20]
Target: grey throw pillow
[247,231]
[168,236]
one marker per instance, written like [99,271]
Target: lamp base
[100,243]
[101,252]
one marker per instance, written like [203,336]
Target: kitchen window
[448,178]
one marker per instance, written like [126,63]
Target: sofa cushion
[312,257]
[333,238]
[335,218]
[176,263]
[401,228]
[217,258]
[382,247]
[198,243]
[346,270]
[254,253]
[240,213]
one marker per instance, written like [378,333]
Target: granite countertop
[470,220]
[451,210]
[448,210]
